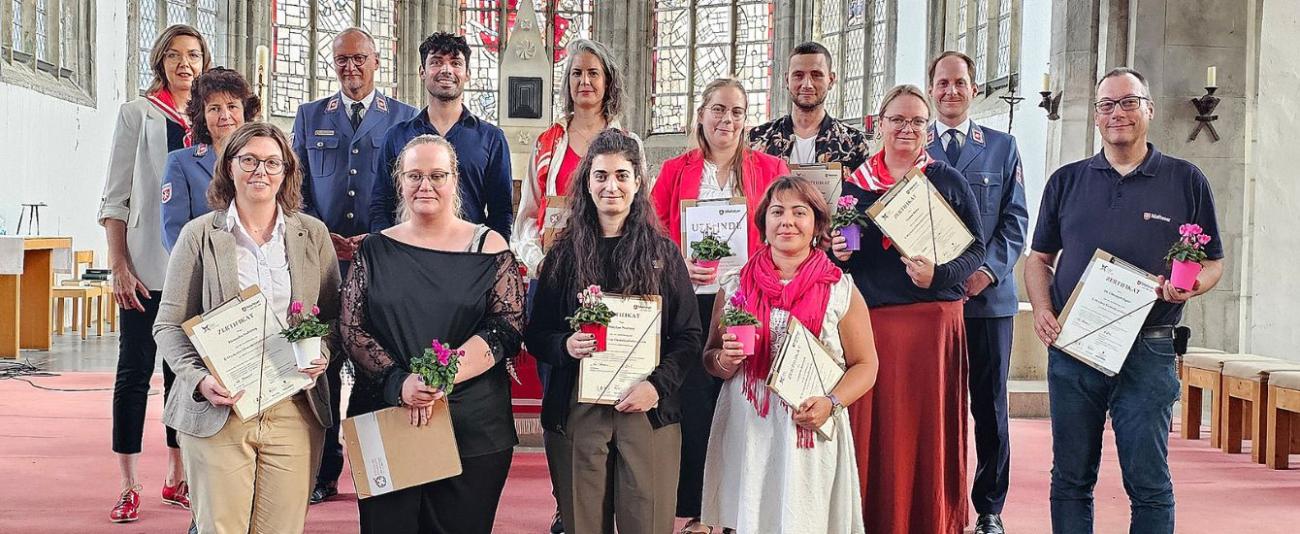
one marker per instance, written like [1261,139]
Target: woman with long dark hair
[625,454]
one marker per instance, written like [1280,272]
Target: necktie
[356,114]
[953,150]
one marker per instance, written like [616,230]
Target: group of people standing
[397,225]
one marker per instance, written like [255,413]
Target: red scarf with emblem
[874,176]
[166,103]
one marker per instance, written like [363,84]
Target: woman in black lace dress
[436,276]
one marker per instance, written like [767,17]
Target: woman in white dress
[766,469]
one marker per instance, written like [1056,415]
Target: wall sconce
[1011,99]
[1205,107]
[1050,103]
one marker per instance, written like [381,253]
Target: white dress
[756,480]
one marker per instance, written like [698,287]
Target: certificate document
[557,217]
[919,221]
[804,368]
[241,346]
[828,177]
[631,352]
[1105,313]
[725,218]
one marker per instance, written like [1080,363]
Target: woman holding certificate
[249,475]
[763,447]
[911,431]
[719,170]
[619,447]
[436,277]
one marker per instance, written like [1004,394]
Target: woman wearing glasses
[911,430]
[253,475]
[722,167]
[436,276]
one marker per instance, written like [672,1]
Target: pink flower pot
[745,334]
[708,264]
[1184,274]
[852,236]
[600,331]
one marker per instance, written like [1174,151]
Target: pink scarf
[166,103]
[805,297]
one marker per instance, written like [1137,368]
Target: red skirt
[910,429]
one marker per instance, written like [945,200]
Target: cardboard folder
[387,453]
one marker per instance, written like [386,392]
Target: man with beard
[336,139]
[810,135]
[990,162]
[483,155]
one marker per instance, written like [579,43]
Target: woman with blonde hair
[147,129]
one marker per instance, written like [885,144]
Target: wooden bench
[1199,373]
[1283,428]
[1246,383]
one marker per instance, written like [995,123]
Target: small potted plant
[437,366]
[305,334]
[1186,256]
[740,323]
[592,316]
[848,220]
[709,251]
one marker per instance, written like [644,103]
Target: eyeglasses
[355,59]
[900,123]
[1128,103]
[416,178]
[719,111]
[249,163]
[175,57]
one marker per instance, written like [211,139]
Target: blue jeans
[1140,401]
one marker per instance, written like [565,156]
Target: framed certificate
[828,177]
[557,217]
[631,353]
[728,219]
[241,346]
[804,368]
[919,221]
[1105,313]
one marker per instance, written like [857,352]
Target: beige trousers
[254,477]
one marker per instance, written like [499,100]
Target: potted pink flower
[709,251]
[848,220]
[740,323]
[437,366]
[592,316]
[1186,256]
[305,334]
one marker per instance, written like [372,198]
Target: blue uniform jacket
[990,162]
[339,165]
[185,189]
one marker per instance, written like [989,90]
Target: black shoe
[989,524]
[322,492]
[194,529]
[557,526]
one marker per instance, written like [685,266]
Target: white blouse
[265,265]
[709,189]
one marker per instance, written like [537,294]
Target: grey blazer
[201,275]
[133,190]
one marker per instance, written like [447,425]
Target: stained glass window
[42,30]
[16,27]
[856,33]
[68,33]
[1004,39]
[696,41]
[157,15]
[984,30]
[302,55]
[981,54]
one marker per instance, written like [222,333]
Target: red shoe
[178,495]
[128,506]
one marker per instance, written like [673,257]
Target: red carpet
[60,476]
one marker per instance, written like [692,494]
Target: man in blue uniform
[337,141]
[990,162]
[482,153]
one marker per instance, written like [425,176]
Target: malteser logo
[381,481]
[1146,216]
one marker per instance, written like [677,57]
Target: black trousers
[463,504]
[989,343]
[136,358]
[331,458]
[699,396]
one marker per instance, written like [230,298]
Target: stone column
[1073,72]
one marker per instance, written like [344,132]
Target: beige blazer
[202,274]
[133,190]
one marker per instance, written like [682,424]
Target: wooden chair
[84,294]
[1283,430]
[1202,371]
[1245,383]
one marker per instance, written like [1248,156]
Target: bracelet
[717,358]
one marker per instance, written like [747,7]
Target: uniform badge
[326,133]
[381,104]
[166,192]
[977,135]
[333,105]
[929,136]
[202,150]
[1020,175]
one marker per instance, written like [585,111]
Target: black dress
[397,299]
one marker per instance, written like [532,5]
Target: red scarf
[166,103]
[874,176]
[805,297]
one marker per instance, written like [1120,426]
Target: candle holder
[1011,99]
[1052,104]
[1204,114]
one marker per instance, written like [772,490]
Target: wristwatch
[836,405]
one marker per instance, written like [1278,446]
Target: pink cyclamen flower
[1195,229]
[594,289]
[737,300]
[847,202]
[315,310]
[296,307]
[1204,239]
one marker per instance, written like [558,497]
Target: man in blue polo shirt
[1129,200]
[486,189]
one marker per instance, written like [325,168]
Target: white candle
[1047,82]
[1211,76]
[263,74]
